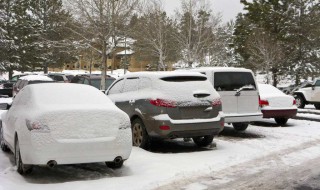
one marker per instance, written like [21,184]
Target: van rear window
[232,81]
[184,78]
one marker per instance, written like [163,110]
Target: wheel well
[300,94]
[134,117]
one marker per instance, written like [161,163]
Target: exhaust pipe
[117,160]
[51,163]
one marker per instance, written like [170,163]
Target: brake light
[37,126]
[263,103]
[163,103]
[294,102]
[216,102]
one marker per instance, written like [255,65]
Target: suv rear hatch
[228,83]
[188,97]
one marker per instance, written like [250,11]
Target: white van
[239,93]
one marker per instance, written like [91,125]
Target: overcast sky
[228,8]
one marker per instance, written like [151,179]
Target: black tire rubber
[21,167]
[240,126]
[140,137]
[317,106]
[300,99]
[281,121]
[3,145]
[203,141]
[114,165]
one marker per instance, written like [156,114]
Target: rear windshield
[232,81]
[96,82]
[184,78]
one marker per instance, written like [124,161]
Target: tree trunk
[103,66]
[10,74]
[275,78]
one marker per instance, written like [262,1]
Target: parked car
[169,105]
[29,79]
[6,87]
[93,80]
[275,104]
[239,94]
[310,94]
[59,77]
[53,124]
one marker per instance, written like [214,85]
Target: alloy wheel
[137,134]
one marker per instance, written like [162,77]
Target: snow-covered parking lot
[178,163]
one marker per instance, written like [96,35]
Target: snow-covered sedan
[57,123]
[275,104]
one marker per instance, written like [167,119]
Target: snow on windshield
[36,77]
[67,94]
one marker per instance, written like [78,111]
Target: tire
[240,126]
[300,101]
[281,121]
[317,106]
[3,145]
[21,168]
[203,141]
[140,137]
[114,165]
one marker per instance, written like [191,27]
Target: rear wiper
[246,87]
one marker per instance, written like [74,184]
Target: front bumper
[185,128]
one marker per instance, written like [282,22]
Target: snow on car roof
[161,74]
[221,69]
[36,77]
[66,94]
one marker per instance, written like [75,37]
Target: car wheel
[115,165]
[21,167]
[203,141]
[300,101]
[3,145]
[240,126]
[281,121]
[317,106]
[140,137]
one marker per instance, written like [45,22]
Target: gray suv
[169,105]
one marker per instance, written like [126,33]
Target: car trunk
[280,101]
[80,124]
[192,97]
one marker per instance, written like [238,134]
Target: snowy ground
[177,163]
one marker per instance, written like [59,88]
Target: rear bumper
[246,117]
[43,148]
[287,113]
[185,128]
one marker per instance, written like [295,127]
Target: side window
[145,83]
[317,83]
[86,81]
[15,78]
[131,84]
[117,87]
[58,78]
[80,81]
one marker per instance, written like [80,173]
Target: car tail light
[163,103]
[263,103]
[294,102]
[37,126]
[164,128]
[216,102]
